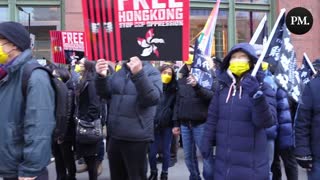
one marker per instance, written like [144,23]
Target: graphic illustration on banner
[150,29]
[67,46]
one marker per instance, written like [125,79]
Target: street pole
[29,22]
[29,17]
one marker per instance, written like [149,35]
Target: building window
[43,19]
[198,18]
[4,14]
[40,14]
[254,1]
[246,24]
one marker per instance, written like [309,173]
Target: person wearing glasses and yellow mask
[27,122]
[242,107]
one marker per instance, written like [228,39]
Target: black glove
[304,161]
[250,84]
[260,76]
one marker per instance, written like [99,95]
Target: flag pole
[309,62]
[208,20]
[258,30]
[265,48]
[196,36]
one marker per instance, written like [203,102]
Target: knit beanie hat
[15,33]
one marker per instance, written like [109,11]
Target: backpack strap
[26,74]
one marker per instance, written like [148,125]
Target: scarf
[4,69]
[3,72]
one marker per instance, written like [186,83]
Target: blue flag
[305,72]
[263,36]
[200,67]
[281,55]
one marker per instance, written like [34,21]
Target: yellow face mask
[118,67]
[77,68]
[239,67]
[166,79]
[265,66]
[190,60]
[3,56]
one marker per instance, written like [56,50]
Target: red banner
[150,29]
[67,45]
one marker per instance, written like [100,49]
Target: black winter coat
[307,121]
[88,104]
[66,131]
[163,118]
[133,102]
[69,123]
[191,102]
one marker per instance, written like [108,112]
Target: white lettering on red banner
[73,41]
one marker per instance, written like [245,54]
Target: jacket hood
[244,47]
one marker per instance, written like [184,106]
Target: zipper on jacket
[228,141]
[5,79]
[122,92]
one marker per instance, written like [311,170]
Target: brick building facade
[309,42]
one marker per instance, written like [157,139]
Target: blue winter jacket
[26,127]
[272,131]
[236,125]
[237,128]
[307,121]
[283,131]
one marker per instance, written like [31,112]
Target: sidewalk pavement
[177,172]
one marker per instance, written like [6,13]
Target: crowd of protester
[243,126]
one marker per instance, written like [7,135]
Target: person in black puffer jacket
[163,123]
[64,138]
[307,125]
[190,113]
[134,93]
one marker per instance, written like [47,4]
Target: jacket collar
[226,78]
[20,60]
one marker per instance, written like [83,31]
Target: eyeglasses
[4,43]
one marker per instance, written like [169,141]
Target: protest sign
[150,29]
[67,46]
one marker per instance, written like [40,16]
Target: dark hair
[63,73]
[89,69]
[88,74]
[217,62]
[166,66]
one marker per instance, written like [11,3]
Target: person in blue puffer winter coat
[271,131]
[280,136]
[242,107]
